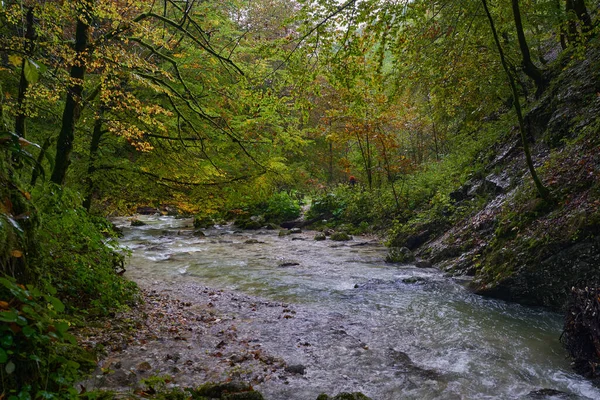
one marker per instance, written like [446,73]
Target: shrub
[281,207]
[74,255]
[38,357]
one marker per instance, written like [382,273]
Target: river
[360,324]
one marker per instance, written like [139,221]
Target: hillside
[516,246]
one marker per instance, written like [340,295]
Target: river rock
[547,394]
[320,236]
[144,366]
[423,264]
[413,280]
[253,241]
[199,233]
[295,230]
[288,264]
[340,236]
[203,222]
[296,369]
[284,232]
[137,222]
[344,396]
[399,255]
[220,390]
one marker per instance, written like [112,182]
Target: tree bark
[64,145]
[530,69]
[542,190]
[94,146]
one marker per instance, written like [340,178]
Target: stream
[358,324]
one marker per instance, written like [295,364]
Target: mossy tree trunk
[64,145]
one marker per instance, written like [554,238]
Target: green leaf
[62,327]
[8,316]
[3,356]
[31,71]
[28,331]
[22,321]
[56,303]
[10,367]
[6,340]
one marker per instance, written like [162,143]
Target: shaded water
[360,325]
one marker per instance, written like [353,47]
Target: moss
[340,236]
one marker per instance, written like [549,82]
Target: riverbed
[334,316]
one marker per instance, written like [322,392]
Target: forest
[463,135]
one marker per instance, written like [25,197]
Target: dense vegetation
[464,131]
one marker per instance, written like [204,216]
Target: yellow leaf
[15,60]
[16,253]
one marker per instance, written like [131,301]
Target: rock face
[516,246]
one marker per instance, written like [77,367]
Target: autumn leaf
[16,253]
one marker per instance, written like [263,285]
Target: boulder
[423,264]
[399,255]
[137,222]
[340,237]
[320,236]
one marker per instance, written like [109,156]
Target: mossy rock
[137,222]
[243,396]
[340,237]
[252,223]
[226,391]
[203,222]
[399,255]
[284,232]
[320,236]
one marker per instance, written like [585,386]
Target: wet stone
[296,369]
[144,366]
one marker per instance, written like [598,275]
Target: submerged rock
[344,396]
[547,394]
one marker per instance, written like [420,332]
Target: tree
[542,190]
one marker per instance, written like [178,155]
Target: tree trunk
[580,9]
[530,69]
[72,109]
[576,10]
[542,190]
[94,146]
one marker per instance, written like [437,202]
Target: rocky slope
[516,246]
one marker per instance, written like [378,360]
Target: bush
[281,207]
[75,256]
[38,357]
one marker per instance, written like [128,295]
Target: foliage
[38,357]
[76,257]
[281,207]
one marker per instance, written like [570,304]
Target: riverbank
[296,317]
